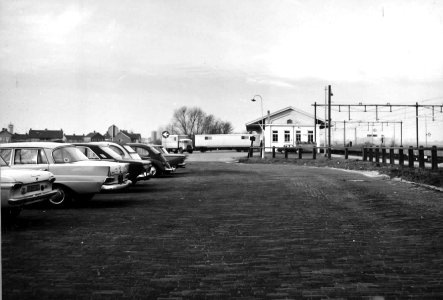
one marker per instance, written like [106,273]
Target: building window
[274,135]
[310,136]
[289,121]
[298,136]
[287,136]
[208,137]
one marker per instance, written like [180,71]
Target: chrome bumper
[36,198]
[116,186]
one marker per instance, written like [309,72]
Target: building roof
[74,136]
[49,145]
[131,135]
[45,134]
[93,134]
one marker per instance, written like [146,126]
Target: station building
[287,127]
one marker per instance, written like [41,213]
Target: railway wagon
[232,141]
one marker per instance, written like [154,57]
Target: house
[287,127]
[5,136]
[125,137]
[18,137]
[45,135]
[94,137]
[74,138]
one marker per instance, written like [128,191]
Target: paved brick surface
[220,230]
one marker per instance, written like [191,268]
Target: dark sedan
[160,165]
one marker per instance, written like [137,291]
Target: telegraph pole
[329,120]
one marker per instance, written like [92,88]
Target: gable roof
[45,134]
[94,134]
[283,111]
[132,136]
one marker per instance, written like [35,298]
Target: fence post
[421,157]
[286,152]
[365,154]
[383,155]
[314,152]
[391,156]
[251,151]
[401,158]
[434,158]
[346,153]
[411,157]
[300,153]
[329,152]
[371,154]
[273,151]
[377,154]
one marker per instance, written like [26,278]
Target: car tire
[65,198]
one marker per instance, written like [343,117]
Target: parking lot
[219,229]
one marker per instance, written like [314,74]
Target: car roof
[50,145]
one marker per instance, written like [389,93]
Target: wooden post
[346,153]
[365,154]
[383,155]
[371,154]
[391,156]
[377,154]
[434,161]
[411,157]
[300,153]
[314,152]
[286,152]
[273,151]
[401,158]
[421,158]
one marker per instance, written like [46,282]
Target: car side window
[61,156]
[141,151]
[6,155]
[117,150]
[25,156]
[42,159]
[90,154]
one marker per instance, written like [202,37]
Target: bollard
[434,161]
[314,152]
[401,158]
[365,154]
[411,157]
[286,152]
[421,157]
[391,156]
[377,154]
[273,151]
[300,153]
[346,153]
[383,155]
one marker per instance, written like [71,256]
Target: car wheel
[65,196]
[153,171]
[180,150]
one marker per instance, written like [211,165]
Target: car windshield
[68,155]
[111,152]
[2,162]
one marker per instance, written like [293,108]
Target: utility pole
[329,120]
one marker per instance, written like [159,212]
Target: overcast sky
[85,65]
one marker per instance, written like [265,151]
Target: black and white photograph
[221,149]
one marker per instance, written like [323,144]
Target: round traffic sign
[165,134]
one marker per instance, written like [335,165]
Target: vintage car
[24,187]
[160,165]
[109,151]
[175,160]
[77,177]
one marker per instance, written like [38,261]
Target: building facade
[287,127]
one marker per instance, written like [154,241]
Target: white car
[77,176]
[23,187]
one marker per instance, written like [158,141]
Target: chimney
[11,128]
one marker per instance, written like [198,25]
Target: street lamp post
[262,125]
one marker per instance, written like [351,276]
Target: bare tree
[192,121]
